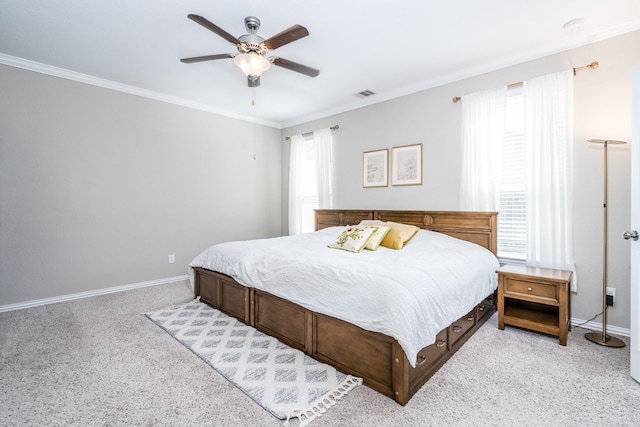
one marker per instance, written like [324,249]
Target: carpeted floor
[99,361]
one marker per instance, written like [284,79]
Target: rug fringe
[326,402]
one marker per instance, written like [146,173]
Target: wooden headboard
[477,227]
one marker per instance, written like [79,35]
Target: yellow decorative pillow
[376,238]
[398,235]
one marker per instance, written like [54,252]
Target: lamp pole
[597,337]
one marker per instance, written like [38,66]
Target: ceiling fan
[253,48]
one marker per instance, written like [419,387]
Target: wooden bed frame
[375,357]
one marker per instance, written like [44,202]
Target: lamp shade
[251,63]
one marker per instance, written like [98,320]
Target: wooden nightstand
[534,298]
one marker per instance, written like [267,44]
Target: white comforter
[409,294]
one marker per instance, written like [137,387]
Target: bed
[374,331]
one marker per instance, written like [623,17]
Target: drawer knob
[481,308]
[457,328]
[441,343]
[470,318]
[529,288]
[421,360]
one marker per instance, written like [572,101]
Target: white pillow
[353,238]
[376,238]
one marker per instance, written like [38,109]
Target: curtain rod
[593,66]
[335,127]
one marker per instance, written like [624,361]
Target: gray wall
[97,187]
[602,108]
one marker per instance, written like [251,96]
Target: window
[517,160]
[310,179]
[512,218]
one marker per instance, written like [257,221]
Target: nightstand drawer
[532,291]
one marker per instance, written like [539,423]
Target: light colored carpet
[95,362]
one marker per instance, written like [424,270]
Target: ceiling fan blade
[294,66]
[206,58]
[287,36]
[213,27]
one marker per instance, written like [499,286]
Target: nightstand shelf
[534,298]
[531,319]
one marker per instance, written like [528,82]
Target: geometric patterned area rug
[285,381]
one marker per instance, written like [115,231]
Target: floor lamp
[601,337]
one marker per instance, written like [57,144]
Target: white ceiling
[389,47]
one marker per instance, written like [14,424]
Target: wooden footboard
[375,357]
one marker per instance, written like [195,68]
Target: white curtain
[323,140]
[310,178]
[296,160]
[482,136]
[548,134]
[549,171]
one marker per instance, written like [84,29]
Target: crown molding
[469,72]
[14,61]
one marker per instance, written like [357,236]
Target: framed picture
[406,165]
[375,168]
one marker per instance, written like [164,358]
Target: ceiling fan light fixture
[252,64]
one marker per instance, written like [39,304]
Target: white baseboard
[594,326]
[62,298]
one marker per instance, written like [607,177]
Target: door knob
[633,234]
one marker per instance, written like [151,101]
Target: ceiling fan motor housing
[252,43]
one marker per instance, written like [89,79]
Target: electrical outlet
[172,258]
[612,292]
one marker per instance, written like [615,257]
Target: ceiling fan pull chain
[253,104]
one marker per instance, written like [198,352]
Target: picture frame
[406,165]
[375,168]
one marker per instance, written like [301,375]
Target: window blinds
[512,220]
